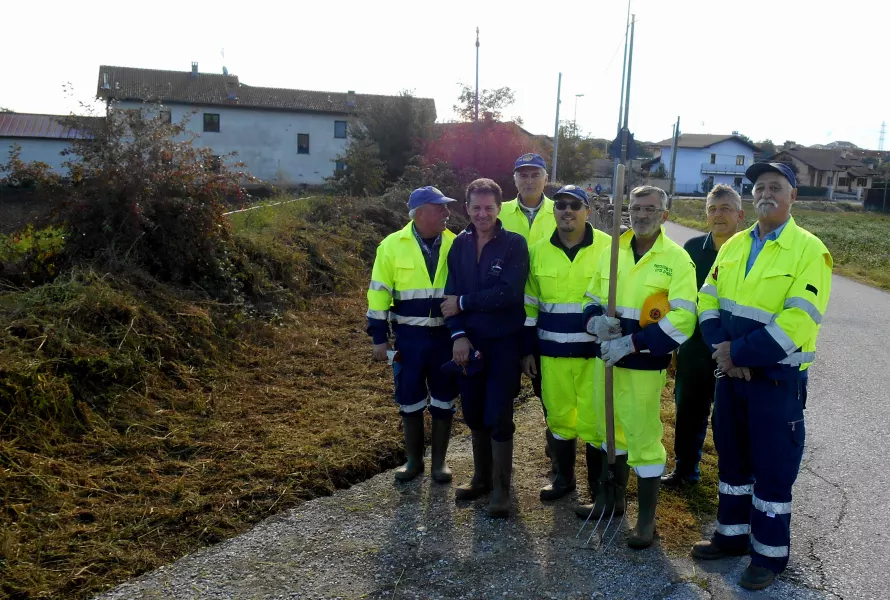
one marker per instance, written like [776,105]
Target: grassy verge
[140,421]
[858,240]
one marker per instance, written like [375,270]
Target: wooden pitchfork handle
[617,201]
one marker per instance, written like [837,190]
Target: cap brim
[758,169]
[528,166]
[571,195]
[442,200]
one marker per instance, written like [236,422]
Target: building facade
[704,160]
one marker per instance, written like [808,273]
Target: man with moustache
[694,382]
[761,308]
[655,308]
[483,308]
[560,269]
[407,286]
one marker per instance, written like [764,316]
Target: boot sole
[405,476]
[718,555]
[552,494]
[441,477]
[756,586]
[465,495]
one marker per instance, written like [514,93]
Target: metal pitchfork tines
[610,488]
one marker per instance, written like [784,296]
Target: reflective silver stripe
[777,508]
[378,314]
[672,332]
[443,404]
[806,306]
[684,304]
[735,490]
[629,313]
[413,407]
[771,551]
[711,313]
[419,294]
[561,307]
[710,290]
[418,321]
[594,298]
[731,530]
[531,300]
[747,312]
[565,338]
[799,358]
[377,286]
[781,338]
[726,304]
[531,322]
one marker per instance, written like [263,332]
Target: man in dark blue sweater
[484,309]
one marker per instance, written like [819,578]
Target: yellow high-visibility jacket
[772,316]
[665,268]
[401,291]
[554,297]
[515,220]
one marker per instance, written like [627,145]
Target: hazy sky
[768,68]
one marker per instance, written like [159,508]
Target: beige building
[837,169]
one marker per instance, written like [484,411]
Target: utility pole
[476,116]
[625,132]
[575,117]
[881,139]
[556,133]
[623,69]
[674,144]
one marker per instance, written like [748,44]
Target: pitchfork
[610,483]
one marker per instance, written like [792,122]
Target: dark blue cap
[759,168]
[575,192]
[427,195]
[529,160]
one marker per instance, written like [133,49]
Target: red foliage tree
[499,145]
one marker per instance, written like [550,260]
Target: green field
[858,241]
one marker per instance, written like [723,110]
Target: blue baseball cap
[427,195]
[529,160]
[575,192]
[759,168]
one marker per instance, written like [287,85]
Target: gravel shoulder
[381,539]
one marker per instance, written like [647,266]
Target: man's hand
[529,367]
[379,354]
[741,373]
[612,351]
[604,327]
[450,306]
[461,351]
[723,357]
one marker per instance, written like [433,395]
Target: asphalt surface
[841,520]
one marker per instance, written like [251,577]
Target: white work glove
[611,351]
[604,328]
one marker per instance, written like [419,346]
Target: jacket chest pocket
[657,282]
[774,288]
[548,282]
[406,274]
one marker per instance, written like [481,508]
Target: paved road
[841,524]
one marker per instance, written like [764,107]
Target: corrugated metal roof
[25,125]
[128,83]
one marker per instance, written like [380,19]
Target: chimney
[350,98]
[194,69]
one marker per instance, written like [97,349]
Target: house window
[737,182]
[713,159]
[339,129]
[302,143]
[830,179]
[165,116]
[211,122]
[842,181]
[740,159]
[862,181]
[339,165]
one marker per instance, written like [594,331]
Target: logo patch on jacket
[655,314]
[496,267]
[664,269]
[714,274]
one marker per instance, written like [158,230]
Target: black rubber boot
[756,578]
[502,470]
[643,533]
[441,436]
[711,550]
[610,494]
[413,427]
[480,484]
[551,453]
[564,482]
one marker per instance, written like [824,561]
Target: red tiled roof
[127,83]
[23,125]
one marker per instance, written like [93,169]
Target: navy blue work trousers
[759,433]
[487,397]
[693,395]
[419,380]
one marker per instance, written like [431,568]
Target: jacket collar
[498,228]
[785,239]
[546,205]
[627,236]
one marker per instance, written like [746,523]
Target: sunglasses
[574,205]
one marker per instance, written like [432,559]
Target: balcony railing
[724,169]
